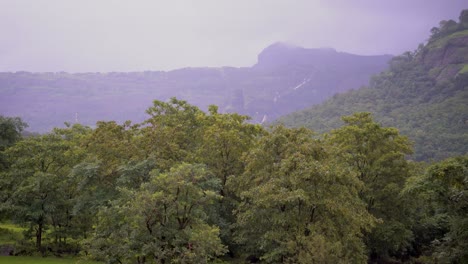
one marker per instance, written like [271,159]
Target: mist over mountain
[285,79]
[424,94]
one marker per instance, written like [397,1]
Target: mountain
[424,94]
[285,79]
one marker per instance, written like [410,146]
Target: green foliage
[163,221]
[423,94]
[464,69]
[172,133]
[226,137]
[108,149]
[192,187]
[38,187]
[448,28]
[377,154]
[10,132]
[444,187]
[9,236]
[298,204]
[440,40]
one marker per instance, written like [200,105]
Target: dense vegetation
[424,94]
[283,74]
[186,186]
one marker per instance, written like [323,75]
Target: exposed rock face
[447,56]
[456,51]
[281,55]
[453,52]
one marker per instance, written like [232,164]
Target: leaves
[377,155]
[164,220]
[292,191]
[188,187]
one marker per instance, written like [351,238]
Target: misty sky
[117,35]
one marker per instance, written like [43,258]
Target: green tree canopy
[377,155]
[10,132]
[443,189]
[298,204]
[40,192]
[164,221]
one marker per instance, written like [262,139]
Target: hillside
[285,79]
[424,94]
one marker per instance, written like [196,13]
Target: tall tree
[377,154]
[443,190]
[10,132]
[108,149]
[299,205]
[226,138]
[38,181]
[173,132]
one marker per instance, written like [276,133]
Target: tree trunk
[39,234]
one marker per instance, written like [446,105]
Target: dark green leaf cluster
[192,187]
[10,132]
[447,27]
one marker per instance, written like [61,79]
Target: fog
[106,35]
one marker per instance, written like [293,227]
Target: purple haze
[107,35]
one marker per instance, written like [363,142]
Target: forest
[186,186]
[193,186]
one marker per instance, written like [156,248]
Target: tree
[10,133]
[172,134]
[164,221]
[298,204]
[38,183]
[464,18]
[443,190]
[377,154]
[226,137]
[112,144]
[108,147]
[434,33]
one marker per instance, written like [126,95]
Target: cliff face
[282,55]
[446,56]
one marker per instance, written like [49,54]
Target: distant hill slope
[285,79]
[424,94]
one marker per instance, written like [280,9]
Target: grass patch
[10,233]
[464,69]
[439,43]
[459,34]
[12,227]
[41,260]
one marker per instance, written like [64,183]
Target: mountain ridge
[423,93]
[264,91]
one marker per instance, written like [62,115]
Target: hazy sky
[118,35]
